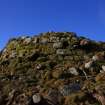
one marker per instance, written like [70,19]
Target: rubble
[53,68]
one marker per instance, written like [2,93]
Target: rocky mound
[53,68]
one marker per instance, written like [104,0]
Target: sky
[31,17]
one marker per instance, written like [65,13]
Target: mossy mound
[65,69]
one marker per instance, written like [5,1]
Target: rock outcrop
[53,68]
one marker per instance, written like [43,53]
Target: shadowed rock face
[53,68]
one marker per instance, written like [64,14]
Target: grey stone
[35,40]
[63,39]
[57,45]
[4,50]
[63,52]
[103,67]
[88,64]
[95,58]
[36,98]
[68,58]
[23,37]
[60,52]
[86,57]
[73,71]
[13,54]
[27,40]
[54,39]
[39,67]
[44,41]
[84,42]
[70,88]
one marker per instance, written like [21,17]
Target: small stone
[74,40]
[44,41]
[63,39]
[84,42]
[35,40]
[57,45]
[54,39]
[4,50]
[75,46]
[27,40]
[88,64]
[23,37]
[13,54]
[86,57]
[103,68]
[11,94]
[68,58]
[95,58]
[42,59]
[70,88]
[98,57]
[36,98]
[40,67]
[101,71]
[73,71]
[60,52]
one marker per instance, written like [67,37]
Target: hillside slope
[53,68]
